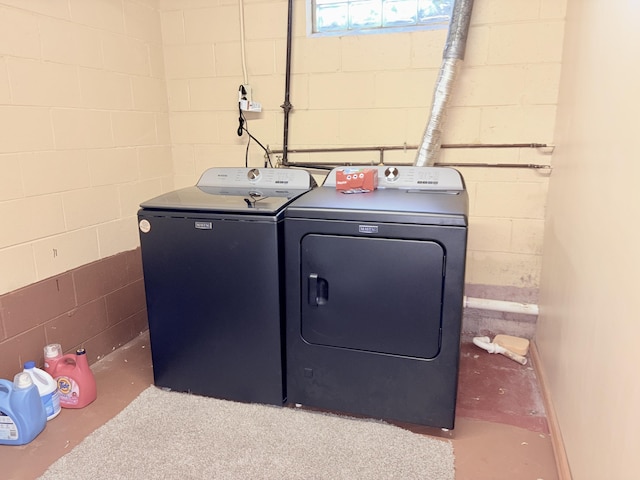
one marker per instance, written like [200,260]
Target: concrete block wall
[84,137]
[84,131]
[376,90]
[106,103]
[99,306]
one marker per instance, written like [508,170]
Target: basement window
[355,17]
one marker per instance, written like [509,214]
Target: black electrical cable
[242,121]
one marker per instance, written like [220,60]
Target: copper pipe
[331,165]
[384,148]
[410,147]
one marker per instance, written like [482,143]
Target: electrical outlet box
[248,106]
[244,93]
[254,107]
[245,99]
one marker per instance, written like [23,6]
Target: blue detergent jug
[22,414]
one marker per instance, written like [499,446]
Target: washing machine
[212,259]
[375,285]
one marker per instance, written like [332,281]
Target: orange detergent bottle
[76,383]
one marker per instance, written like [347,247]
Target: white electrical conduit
[500,305]
[244,62]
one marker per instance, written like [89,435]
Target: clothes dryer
[374,287]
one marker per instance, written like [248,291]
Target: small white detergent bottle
[47,388]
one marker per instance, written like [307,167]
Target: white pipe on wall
[500,305]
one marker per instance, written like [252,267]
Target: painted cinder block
[189,61]
[490,234]
[70,44]
[215,24]
[105,90]
[90,206]
[55,171]
[36,217]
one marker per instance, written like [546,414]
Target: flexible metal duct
[451,58]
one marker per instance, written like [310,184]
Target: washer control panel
[251,177]
[410,178]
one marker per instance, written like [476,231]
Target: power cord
[242,127]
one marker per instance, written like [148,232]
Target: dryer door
[373,294]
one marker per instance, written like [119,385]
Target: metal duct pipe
[451,58]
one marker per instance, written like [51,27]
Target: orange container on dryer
[76,383]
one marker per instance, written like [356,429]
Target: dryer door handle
[318,290]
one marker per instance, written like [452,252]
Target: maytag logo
[368,228]
[204,225]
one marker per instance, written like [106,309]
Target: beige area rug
[170,435]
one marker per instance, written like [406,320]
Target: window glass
[364,16]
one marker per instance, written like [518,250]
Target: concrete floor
[501,430]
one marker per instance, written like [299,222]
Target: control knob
[391,174]
[253,174]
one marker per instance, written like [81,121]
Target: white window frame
[310,13]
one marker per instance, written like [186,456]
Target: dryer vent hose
[452,57]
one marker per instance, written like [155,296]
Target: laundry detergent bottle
[22,414]
[47,387]
[76,383]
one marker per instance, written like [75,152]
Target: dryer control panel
[410,178]
[249,177]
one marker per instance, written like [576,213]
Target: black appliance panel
[375,384]
[332,361]
[349,283]
[213,300]
[385,205]
[213,269]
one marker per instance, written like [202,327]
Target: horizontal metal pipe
[328,165]
[383,148]
[410,147]
[496,165]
